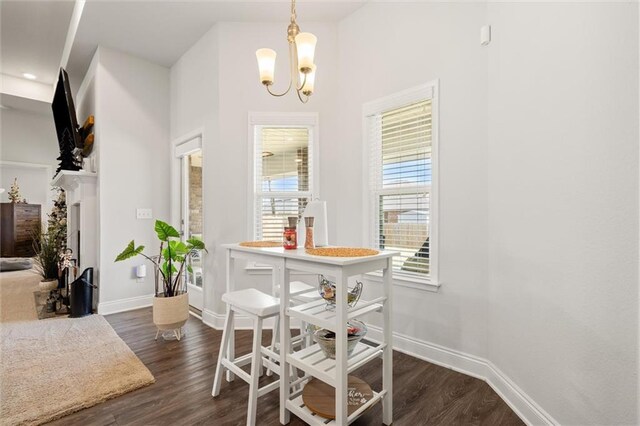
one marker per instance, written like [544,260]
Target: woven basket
[170,313]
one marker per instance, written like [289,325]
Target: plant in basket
[171,303]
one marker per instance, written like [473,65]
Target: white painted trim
[403,281]
[189,147]
[124,305]
[78,7]
[182,146]
[430,91]
[521,403]
[304,119]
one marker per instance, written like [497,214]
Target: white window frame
[379,106]
[309,120]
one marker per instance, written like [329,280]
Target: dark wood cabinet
[19,222]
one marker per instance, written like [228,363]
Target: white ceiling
[32,37]
[162,31]
[33,33]
[23,104]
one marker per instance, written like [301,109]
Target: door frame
[183,146]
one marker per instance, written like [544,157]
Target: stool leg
[274,340]
[228,329]
[231,344]
[255,376]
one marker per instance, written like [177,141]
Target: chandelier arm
[291,55]
[303,100]
[278,94]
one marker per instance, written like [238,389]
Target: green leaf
[189,269]
[165,231]
[165,269]
[130,251]
[179,247]
[174,250]
[196,243]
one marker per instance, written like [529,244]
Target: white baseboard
[123,305]
[525,407]
[480,368]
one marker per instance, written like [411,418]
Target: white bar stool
[299,293]
[258,306]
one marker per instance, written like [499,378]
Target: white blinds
[400,183]
[283,178]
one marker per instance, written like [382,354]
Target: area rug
[54,367]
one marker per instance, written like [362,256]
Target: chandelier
[302,47]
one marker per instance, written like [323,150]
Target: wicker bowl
[327,338]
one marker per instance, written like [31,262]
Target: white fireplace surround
[82,215]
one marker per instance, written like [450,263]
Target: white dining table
[310,360]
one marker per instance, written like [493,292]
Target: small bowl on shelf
[327,290]
[326,339]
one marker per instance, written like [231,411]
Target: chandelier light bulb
[266,65]
[306,47]
[309,83]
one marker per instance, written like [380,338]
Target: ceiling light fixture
[302,48]
[29,76]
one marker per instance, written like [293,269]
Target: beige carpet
[50,368]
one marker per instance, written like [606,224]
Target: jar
[290,240]
[308,237]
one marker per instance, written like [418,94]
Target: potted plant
[47,245]
[171,302]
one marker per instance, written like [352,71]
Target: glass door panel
[192,221]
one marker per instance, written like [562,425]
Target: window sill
[404,281]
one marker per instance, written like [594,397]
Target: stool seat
[253,301]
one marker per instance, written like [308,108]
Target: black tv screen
[64,116]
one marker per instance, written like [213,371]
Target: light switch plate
[143,213]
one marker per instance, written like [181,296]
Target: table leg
[231,349]
[341,349]
[285,344]
[387,355]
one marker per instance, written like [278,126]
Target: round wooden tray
[261,244]
[342,251]
[320,397]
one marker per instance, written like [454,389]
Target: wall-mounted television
[64,116]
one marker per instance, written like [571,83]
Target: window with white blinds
[283,177]
[401,175]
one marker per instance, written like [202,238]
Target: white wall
[132,98]
[218,79]
[420,43]
[28,137]
[194,108]
[563,206]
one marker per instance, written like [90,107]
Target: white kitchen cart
[311,360]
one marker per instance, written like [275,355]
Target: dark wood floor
[424,393]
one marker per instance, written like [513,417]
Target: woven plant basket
[171,313]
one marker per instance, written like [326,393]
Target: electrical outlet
[143,213]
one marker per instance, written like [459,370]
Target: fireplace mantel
[70,180]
